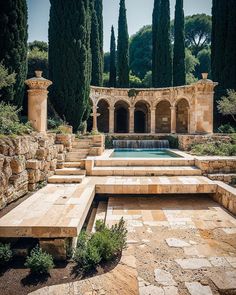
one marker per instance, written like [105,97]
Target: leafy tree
[97,71]
[13,46]
[112,77]
[37,60]
[227,104]
[141,52]
[204,66]
[155,42]
[6,79]
[164,77]
[135,82]
[198,32]
[190,64]
[70,59]
[179,46]
[147,81]
[123,47]
[40,45]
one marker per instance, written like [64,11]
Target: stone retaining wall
[226,196]
[186,141]
[27,161]
[211,165]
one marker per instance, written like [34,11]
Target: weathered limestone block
[41,154]
[19,179]
[60,148]
[32,164]
[7,147]
[226,196]
[53,165]
[34,175]
[61,157]
[65,139]
[18,164]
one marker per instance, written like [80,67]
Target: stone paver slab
[224,280]
[164,278]
[176,243]
[196,288]
[193,263]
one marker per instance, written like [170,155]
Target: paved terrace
[60,210]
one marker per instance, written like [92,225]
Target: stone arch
[121,117]
[103,118]
[182,116]
[163,117]
[142,117]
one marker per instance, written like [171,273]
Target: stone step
[78,150]
[70,171]
[147,171]
[73,164]
[66,179]
[75,156]
[174,162]
[81,144]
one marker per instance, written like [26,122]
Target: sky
[139,13]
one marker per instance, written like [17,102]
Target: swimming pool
[143,153]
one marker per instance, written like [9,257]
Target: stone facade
[27,161]
[185,109]
[211,165]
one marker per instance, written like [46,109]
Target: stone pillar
[173,119]
[111,119]
[131,119]
[37,101]
[189,119]
[95,115]
[153,120]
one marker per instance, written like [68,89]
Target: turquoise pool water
[143,153]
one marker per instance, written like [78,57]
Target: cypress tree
[229,72]
[99,11]
[95,49]
[69,59]
[164,62]
[155,41]
[123,47]
[13,46]
[112,76]
[179,75]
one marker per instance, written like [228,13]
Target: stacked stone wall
[27,161]
[186,141]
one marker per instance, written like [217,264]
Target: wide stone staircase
[72,170]
[147,167]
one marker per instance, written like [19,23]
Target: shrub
[227,128]
[39,262]
[54,123]
[214,149]
[104,245]
[5,253]
[9,121]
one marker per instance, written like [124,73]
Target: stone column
[173,119]
[111,119]
[188,110]
[95,115]
[131,119]
[37,101]
[153,120]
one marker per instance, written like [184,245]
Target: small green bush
[9,121]
[39,262]
[214,149]
[227,128]
[54,123]
[104,245]
[5,253]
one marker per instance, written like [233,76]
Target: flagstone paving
[177,245]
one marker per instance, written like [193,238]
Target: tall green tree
[13,46]
[179,75]
[155,42]
[99,12]
[97,63]
[140,50]
[164,56]
[112,76]
[123,47]
[70,59]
